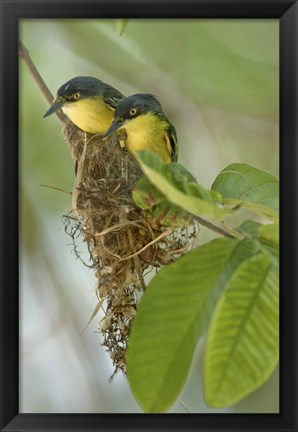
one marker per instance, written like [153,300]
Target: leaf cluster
[226,289]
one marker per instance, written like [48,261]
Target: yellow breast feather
[92,115]
[148,132]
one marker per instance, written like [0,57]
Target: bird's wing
[173,142]
[112,97]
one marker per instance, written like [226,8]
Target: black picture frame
[11,12]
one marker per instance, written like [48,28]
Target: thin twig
[55,188]
[118,226]
[79,179]
[94,313]
[25,56]
[136,260]
[222,230]
[184,406]
[162,235]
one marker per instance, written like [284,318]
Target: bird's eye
[133,111]
[76,96]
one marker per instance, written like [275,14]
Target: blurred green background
[217,81]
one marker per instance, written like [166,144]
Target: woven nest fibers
[123,244]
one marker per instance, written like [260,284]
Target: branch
[222,230]
[24,55]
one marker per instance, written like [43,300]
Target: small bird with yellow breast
[141,119]
[88,102]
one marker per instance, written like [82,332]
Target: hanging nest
[123,244]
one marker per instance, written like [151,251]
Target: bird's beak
[117,123]
[53,108]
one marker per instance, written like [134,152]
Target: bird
[141,119]
[88,102]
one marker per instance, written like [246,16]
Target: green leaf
[242,342]
[270,250]
[172,316]
[270,233]
[120,26]
[258,209]
[180,187]
[170,215]
[158,210]
[146,195]
[251,187]
[250,228]
[267,235]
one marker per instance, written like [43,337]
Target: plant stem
[24,55]
[222,230]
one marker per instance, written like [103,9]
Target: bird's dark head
[136,105]
[132,107]
[81,87]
